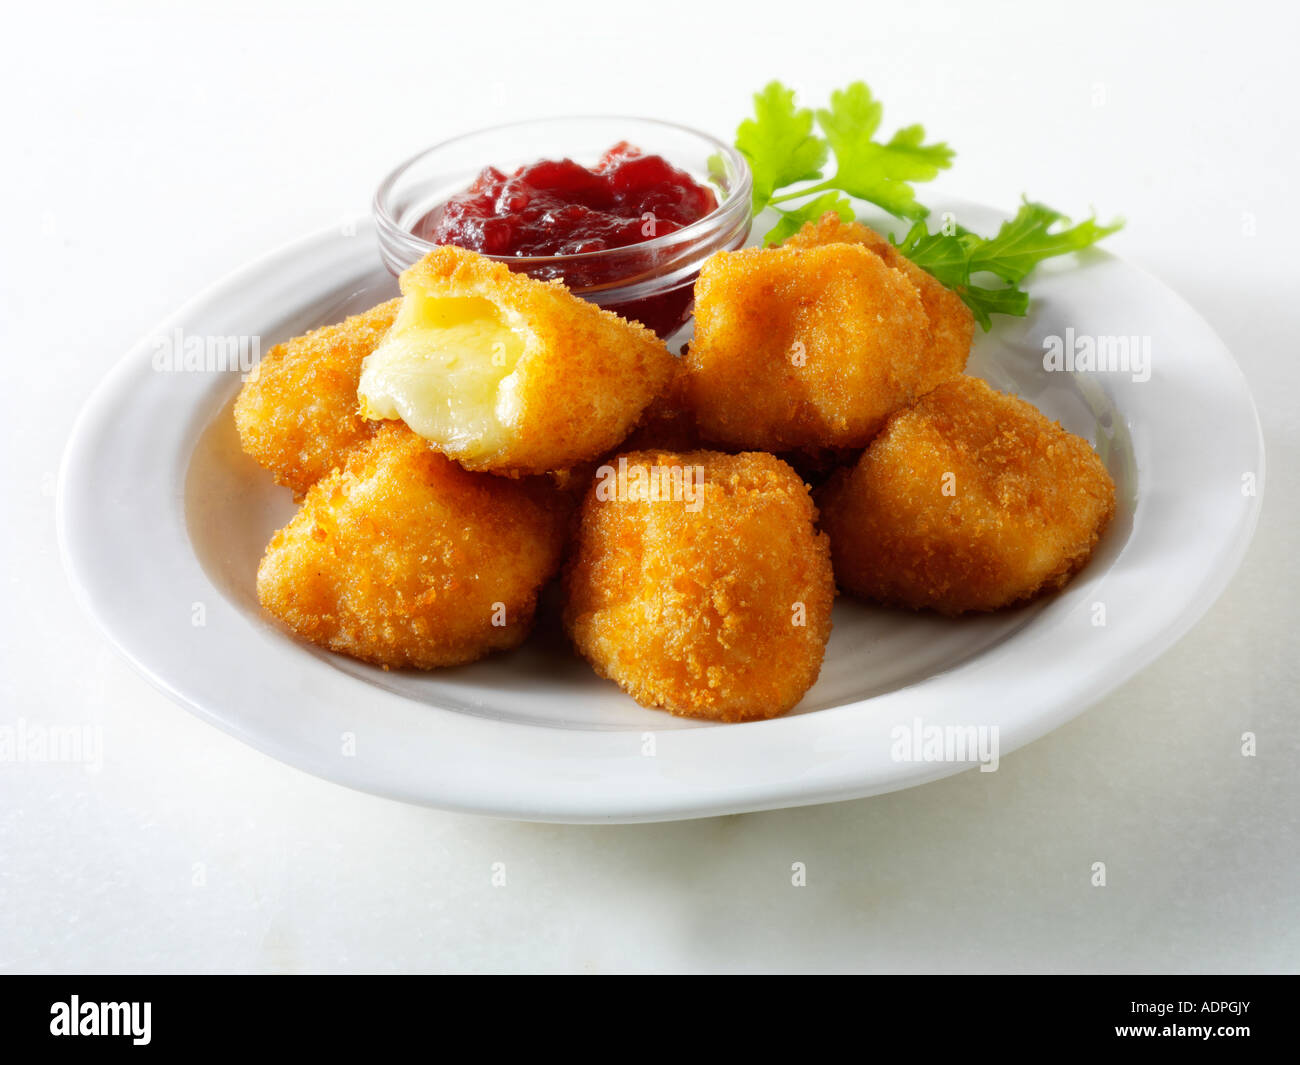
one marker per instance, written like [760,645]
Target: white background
[151,148]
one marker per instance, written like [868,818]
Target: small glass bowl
[651,282]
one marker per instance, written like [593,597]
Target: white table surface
[149,150]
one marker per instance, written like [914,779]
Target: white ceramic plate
[162,521]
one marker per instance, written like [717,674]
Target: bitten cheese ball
[970,500]
[297,413]
[403,558]
[799,348]
[952,326]
[710,599]
[509,374]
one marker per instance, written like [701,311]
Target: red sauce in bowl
[559,207]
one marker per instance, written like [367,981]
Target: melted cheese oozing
[441,369]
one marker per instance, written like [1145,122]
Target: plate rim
[685,800]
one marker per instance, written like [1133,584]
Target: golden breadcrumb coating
[952,326]
[970,500]
[667,424]
[664,426]
[297,413]
[802,347]
[403,558]
[816,465]
[575,482]
[714,604]
[572,381]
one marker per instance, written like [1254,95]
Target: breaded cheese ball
[952,326]
[506,373]
[403,558]
[297,413]
[711,601]
[800,348]
[970,500]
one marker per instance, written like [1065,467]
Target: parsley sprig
[784,149]
[965,261]
[788,148]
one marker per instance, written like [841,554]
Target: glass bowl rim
[727,207]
